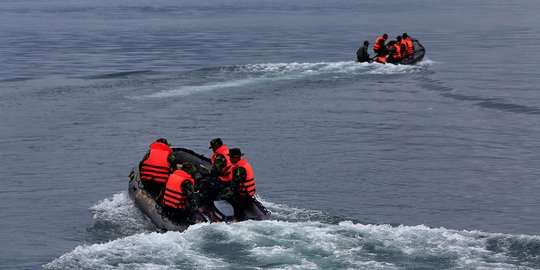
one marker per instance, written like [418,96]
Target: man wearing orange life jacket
[243,183]
[179,196]
[380,44]
[156,166]
[409,47]
[220,175]
[395,50]
[221,163]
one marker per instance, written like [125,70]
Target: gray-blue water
[433,166]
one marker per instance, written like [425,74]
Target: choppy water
[433,166]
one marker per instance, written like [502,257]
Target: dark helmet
[162,140]
[235,152]
[405,35]
[216,141]
[398,38]
[366,42]
[385,36]
[189,168]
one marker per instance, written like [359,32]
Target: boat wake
[296,239]
[259,74]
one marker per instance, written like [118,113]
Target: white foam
[262,73]
[300,242]
[189,90]
[120,213]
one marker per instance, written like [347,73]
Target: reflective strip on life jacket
[246,186]
[174,196]
[156,167]
[225,174]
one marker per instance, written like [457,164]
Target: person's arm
[172,162]
[219,163]
[189,192]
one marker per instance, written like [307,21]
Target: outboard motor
[223,212]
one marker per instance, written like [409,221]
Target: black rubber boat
[216,211]
[417,56]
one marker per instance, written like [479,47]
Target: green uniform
[220,162]
[362,54]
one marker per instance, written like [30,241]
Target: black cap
[216,141]
[235,152]
[162,140]
[405,35]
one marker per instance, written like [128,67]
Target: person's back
[395,50]
[243,181]
[178,198]
[380,44]
[156,166]
[408,44]
[362,54]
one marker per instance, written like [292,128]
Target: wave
[115,75]
[287,243]
[252,74]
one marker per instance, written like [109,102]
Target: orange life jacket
[409,49]
[380,59]
[377,44]
[225,174]
[174,196]
[397,51]
[247,186]
[156,167]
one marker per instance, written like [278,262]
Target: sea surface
[364,166]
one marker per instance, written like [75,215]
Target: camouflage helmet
[189,168]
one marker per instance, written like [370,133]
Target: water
[433,166]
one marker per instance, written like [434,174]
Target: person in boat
[156,166]
[381,58]
[242,190]
[221,163]
[395,50]
[380,44]
[362,54]
[179,196]
[220,175]
[408,44]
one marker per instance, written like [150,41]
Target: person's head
[189,168]
[385,36]
[398,38]
[164,141]
[235,154]
[366,43]
[405,35]
[215,144]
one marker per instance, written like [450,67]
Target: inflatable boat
[208,211]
